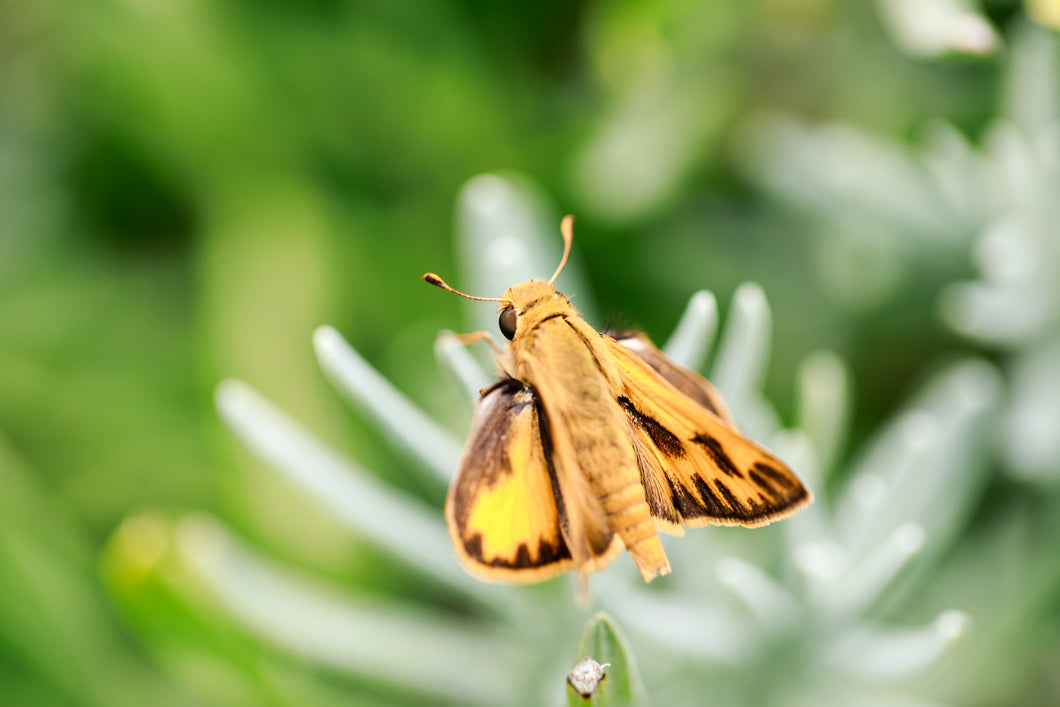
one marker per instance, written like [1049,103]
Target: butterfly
[590,443]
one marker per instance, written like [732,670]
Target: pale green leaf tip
[603,642]
[405,424]
[694,335]
[458,363]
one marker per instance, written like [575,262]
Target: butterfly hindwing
[503,507]
[695,467]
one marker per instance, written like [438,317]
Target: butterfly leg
[475,337]
[501,356]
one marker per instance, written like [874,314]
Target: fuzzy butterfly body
[592,443]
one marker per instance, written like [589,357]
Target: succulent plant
[950,201]
[793,614]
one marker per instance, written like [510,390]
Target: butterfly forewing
[696,468]
[691,384]
[502,507]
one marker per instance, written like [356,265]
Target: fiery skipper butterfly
[590,443]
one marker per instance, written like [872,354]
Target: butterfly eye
[507,323]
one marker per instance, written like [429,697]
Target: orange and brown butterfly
[590,443]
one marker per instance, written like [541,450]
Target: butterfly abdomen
[614,478]
[628,512]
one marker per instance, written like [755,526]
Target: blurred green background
[188,189]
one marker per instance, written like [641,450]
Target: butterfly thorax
[544,313]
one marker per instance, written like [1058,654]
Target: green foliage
[190,190]
[602,642]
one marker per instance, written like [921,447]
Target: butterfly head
[526,304]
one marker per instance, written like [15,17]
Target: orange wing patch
[696,468]
[688,382]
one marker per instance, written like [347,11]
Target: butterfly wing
[696,468]
[504,506]
[688,382]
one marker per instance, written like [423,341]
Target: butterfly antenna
[439,282]
[566,227]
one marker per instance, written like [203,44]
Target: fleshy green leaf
[621,685]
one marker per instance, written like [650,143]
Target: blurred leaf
[180,619]
[56,630]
